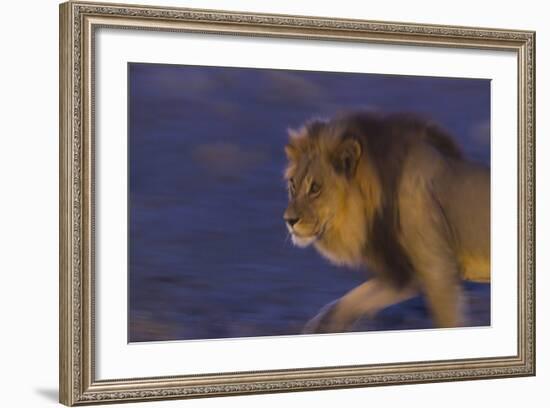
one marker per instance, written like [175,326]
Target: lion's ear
[346,157]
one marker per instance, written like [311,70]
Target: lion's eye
[315,188]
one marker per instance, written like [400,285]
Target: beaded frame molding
[78,22]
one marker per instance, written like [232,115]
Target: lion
[392,194]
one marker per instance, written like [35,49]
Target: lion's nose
[291,220]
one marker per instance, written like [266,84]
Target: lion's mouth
[303,240]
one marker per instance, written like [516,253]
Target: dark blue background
[209,255]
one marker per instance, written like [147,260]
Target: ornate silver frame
[78,22]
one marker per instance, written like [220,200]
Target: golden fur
[392,194]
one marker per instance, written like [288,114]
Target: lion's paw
[324,321]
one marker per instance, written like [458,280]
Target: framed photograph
[256,203]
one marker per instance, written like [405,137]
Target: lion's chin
[302,242]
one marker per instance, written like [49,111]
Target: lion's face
[315,194]
[319,180]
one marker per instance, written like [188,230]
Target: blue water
[209,256]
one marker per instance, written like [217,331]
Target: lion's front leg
[365,300]
[323,321]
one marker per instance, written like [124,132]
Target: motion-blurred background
[209,255]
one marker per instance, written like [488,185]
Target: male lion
[395,195]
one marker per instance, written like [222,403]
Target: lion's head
[326,193]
